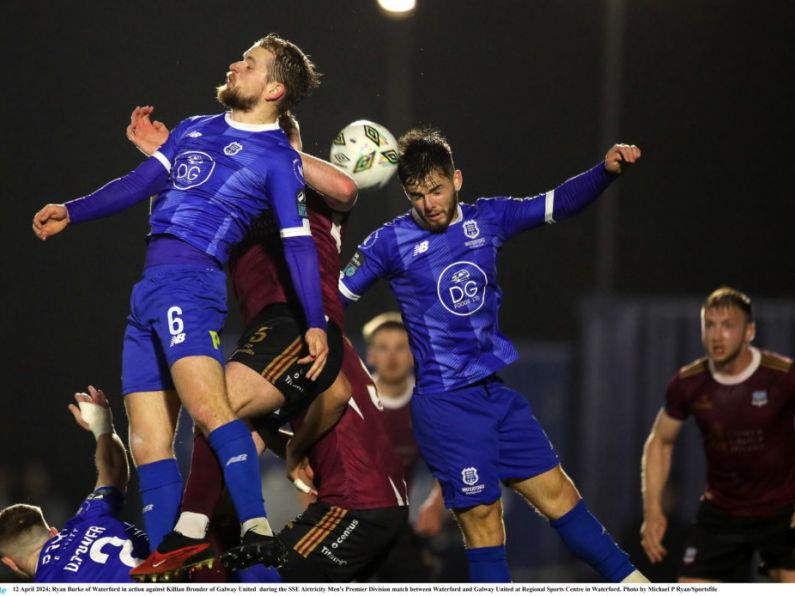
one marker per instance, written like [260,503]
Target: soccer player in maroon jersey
[743,401]
[389,357]
[362,497]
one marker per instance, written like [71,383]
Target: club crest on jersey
[461,288]
[759,398]
[471,229]
[469,476]
[233,148]
[191,169]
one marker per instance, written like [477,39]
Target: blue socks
[488,564]
[160,485]
[587,539]
[237,454]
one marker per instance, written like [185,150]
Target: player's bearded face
[246,80]
[726,332]
[435,200]
[235,98]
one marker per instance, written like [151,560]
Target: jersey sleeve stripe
[347,293]
[304,230]
[163,160]
[549,206]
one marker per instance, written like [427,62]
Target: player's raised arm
[117,195]
[570,197]
[655,469]
[338,189]
[92,413]
[286,186]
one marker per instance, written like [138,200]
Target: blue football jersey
[94,546]
[446,282]
[223,174]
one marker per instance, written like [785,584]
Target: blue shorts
[474,438]
[175,311]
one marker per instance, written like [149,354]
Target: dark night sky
[705,91]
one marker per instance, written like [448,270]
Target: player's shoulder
[104,499]
[201,120]
[693,369]
[488,208]
[776,362]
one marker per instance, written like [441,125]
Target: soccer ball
[367,151]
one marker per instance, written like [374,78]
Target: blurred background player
[475,433]
[743,401]
[93,546]
[213,176]
[361,495]
[390,360]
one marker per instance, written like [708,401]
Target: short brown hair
[22,529]
[726,297]
[387,320]
[292,68]
[423,151]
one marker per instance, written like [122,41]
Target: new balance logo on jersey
[233,148]
[420,247]
[237,459]
[177,339]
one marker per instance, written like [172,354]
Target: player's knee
[146,448]
[481,525]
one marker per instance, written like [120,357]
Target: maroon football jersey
[259,272]
[397,421]
[355,465]
[747,424]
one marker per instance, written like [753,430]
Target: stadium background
[604,307]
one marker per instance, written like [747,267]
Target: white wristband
[99,418]
[302,486]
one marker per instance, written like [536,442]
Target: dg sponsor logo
[462,288]
[191,169]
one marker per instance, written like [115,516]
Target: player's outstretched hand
[50,220]
[92,411]
[317,344]
[651,535]
[620,157]
[148,136]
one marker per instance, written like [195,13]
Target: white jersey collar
[395,402]
[250,127]
[724,379]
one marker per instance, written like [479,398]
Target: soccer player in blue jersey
[93,546]
[212,178]
[474,433]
